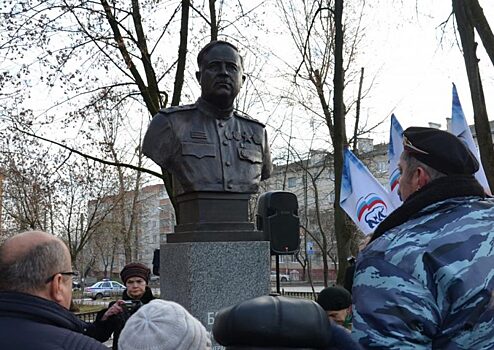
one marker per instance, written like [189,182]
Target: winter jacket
[102,330]
[427,281]
[29,322]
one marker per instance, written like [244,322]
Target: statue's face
[221,75]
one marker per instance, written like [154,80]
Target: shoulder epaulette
[174,109]
[247,117]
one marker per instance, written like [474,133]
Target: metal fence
[87,316]
[300,295]
[91,316]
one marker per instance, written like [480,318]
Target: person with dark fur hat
[276,322]
[112,320]
[337,302]
[425,279]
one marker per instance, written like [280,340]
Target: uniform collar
[213,111]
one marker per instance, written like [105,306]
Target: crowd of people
[36,294]
[425,280]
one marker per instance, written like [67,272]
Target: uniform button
[229,187]
[225,142]
[227,163]
[221,124]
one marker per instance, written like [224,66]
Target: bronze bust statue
[208,146]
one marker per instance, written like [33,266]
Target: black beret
[334,298]
[273,322]
[440,150]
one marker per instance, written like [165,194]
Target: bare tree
[27,186]
[83,51]
[326,51]
[469,16]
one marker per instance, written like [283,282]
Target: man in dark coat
[35,295]
[135,276]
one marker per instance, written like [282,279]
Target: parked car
[76,285]
[104,288]
[283,277]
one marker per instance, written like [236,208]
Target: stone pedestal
[214,217]
[207,276]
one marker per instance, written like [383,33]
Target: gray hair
[413,163]
[28,272]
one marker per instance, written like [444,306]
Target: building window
[331,198]
[382,166]
[292,182]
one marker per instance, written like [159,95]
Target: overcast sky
[414,64]
[405,53]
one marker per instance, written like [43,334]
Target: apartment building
[312,180]
[145,224]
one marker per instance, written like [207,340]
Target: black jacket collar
[435,191]
[27,306]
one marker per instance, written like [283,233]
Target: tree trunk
[214,24]
[482,126]
[339,141]
[357,112]
[177,90]
[182,54]
[152,89]
[480,23]
[150,100]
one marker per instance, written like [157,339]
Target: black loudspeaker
[277,216]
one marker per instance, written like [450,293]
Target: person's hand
[115,309]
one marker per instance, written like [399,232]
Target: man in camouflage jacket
[426,279]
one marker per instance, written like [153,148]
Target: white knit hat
[163,325]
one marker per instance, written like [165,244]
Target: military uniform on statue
[217,155]
[209,149]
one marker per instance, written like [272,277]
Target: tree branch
[87,156]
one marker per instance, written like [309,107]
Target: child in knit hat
[163,325]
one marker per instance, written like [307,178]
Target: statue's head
[220,73]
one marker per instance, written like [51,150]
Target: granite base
[207,276]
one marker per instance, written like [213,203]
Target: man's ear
[423,177]
[243,79]
[198,76]
[56,289]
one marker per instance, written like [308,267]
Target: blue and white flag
[395,148]
[460,128]
[363,198]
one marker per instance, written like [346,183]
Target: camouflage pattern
[429,283]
